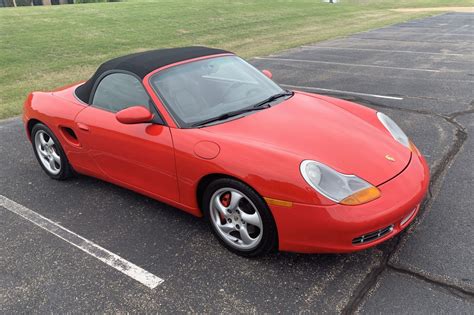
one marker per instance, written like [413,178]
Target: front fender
[272,172]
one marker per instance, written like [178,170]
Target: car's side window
[118,91]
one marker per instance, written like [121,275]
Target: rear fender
[57,114]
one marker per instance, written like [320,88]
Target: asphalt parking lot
[420,72]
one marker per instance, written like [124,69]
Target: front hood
[318,130]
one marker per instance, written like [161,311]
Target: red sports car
[203,130]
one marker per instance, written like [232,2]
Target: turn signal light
[362,196]
[277,202]
[412,147]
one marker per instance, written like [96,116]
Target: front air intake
[372,236]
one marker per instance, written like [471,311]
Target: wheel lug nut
[229,220]
[237,227]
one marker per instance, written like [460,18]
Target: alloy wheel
[47,152]
[236,219]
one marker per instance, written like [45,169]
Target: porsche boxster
[204,131]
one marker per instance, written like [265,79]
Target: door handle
[83,126]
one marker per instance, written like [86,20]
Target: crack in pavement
[462,112]
[437,178]
[455,290]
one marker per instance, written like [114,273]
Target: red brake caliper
[225,201]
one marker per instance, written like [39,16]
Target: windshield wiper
[272,98]
[260,105]
[229,115]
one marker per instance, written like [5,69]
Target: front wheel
[239,218]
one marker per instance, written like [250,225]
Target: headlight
[338,187]
[396,132]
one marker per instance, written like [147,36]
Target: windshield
[202,90]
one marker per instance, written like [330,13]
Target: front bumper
[337,228]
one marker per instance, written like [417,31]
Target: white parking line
[111,259]
[383,50]
[452,42]
[341,92]
[346,64]
[414,33]
[401,27]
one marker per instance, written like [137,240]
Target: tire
[49,153]
[239,218]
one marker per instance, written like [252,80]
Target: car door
[136,155]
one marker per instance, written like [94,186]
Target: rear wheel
[49,153]
[239,218]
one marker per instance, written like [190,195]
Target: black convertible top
[143,63]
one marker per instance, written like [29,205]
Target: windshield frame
[168,107]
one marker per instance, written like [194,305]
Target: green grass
[45,47]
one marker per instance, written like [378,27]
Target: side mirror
[267,73]
[134,115]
